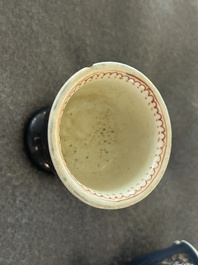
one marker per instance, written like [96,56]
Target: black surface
[42,43]
[36,140]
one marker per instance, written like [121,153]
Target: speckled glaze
[179,253]
[153,113]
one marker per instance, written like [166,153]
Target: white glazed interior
[136,122]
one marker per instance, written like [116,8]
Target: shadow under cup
[111,143]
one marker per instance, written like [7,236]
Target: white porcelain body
[153,114]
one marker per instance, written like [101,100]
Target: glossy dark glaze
[179,253]
[36,142]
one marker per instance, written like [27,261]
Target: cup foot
[35,139]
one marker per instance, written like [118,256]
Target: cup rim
[77,189]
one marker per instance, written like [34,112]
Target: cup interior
[112,134]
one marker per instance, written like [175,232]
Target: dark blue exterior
[179,253]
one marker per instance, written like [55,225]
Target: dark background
[42,43]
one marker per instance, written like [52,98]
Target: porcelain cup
[108,135]
[179,253]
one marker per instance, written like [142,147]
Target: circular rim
[78,190]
